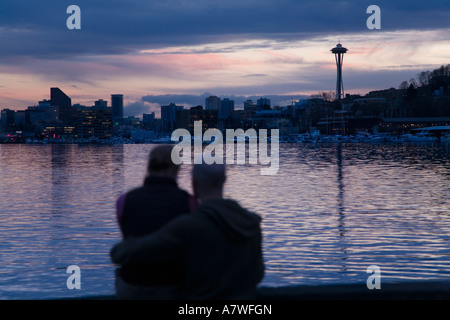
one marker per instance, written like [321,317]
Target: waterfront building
[59,131]
[35,115]
[271,119]
[20,119]
[402,125]
[94,122]
[7,119]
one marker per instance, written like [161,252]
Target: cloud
[138,108]
[240,47]
[38,28]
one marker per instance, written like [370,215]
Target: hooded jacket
[218,245]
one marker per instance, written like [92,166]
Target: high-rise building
[117,106]
[20,118]
[7,117]
[226,108]
[212,103]
[59,99]
[169,117]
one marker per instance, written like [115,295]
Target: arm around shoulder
[157,247]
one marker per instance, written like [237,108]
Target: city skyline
[151,51]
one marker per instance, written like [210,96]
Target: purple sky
[157,51]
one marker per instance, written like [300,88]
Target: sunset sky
[159,51]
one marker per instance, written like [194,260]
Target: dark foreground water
[330,212]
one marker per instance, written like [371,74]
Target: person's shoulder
[183,192]
[134,191]
[185,222]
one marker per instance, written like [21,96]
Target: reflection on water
[330,212]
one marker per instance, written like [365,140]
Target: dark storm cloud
[38,28]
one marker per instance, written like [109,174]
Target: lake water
[331,211]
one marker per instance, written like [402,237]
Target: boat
[422,136]
[446,138]
[162,140]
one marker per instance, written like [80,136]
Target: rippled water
[330,212]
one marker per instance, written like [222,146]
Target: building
[20,119]
[402,125]
[117,106]
[94,122]
[250,106]
[212,103]
[148,119]
[262,104]
[186,118]
[226,109]
[59,131]
[44,104]
[59,99]
[7,119]
[101,103]
[169,117]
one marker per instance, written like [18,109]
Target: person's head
[160,162]
[208,180]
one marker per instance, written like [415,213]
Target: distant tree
[411,92]
[328,95]
[440,77]
[404,85]
[324,95]
[424,78]
[412,82]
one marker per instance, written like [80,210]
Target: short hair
[161,159]
[209,176]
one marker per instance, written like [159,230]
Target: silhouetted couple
[178,247]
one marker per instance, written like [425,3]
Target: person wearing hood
[219,245]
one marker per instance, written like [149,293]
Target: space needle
[338,52]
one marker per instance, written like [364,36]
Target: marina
[429,134]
